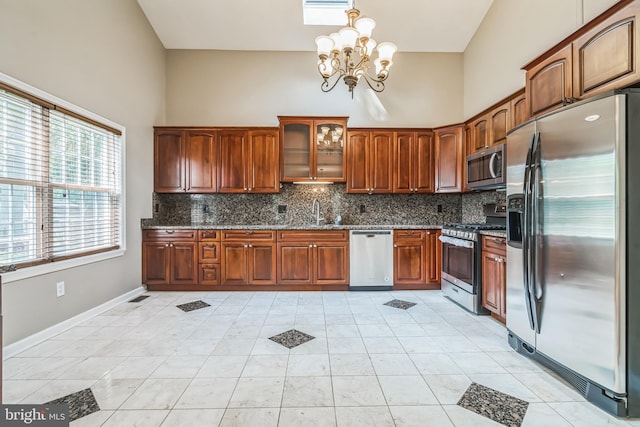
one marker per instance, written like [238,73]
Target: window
[325,12]
[60,183]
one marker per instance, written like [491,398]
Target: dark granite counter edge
[151,226]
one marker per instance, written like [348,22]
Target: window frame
[79,112]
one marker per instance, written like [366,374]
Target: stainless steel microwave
[487,169]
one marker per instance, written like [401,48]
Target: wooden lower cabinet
[248,257]
[494,276]
[169,257]
[208,257]
[416,258]
[434,256]
[313,257]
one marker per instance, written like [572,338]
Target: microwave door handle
[491,165]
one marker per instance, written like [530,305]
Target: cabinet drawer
[169,235]
[209,252]
[408,234]
[208,235]
[496,245]
[312,235]
[209,274]
[245,235]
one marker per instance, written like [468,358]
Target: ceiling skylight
[325,12]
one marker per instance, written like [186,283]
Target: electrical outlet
[439,208]
[282,208]
[59,289]
[363,209]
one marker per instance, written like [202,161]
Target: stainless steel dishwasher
[371,260]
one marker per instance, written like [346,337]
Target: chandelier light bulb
[349,37]
[371,44]
[325,45]
[337,41]
[365,26]
[386,51]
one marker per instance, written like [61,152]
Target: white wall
[252,88]
[512,34]
[102,56]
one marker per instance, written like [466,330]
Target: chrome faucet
[315,209]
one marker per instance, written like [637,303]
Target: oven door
[458,262]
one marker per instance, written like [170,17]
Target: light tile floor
[151,364]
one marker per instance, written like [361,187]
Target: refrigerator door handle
[536,282]
[526,235]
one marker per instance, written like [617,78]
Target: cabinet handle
[169,231]
[248,232]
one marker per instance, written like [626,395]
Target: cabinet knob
[166,245]
[170,245]
[395,245]
[315,246]
[310,245]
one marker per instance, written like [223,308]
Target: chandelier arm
[325,86]
[379,84]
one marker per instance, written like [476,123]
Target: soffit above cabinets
[277,25]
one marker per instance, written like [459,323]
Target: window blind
[60,191]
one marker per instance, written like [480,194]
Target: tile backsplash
[296,201]
[472,204]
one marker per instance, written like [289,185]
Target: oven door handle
[457,242]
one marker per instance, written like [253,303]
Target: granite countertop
[147,224]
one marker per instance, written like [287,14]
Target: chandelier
[348,54]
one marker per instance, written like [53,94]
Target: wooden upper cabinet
[312,148]
[499,124]
[233,159]
[168,161]
[605,57]
[370,161]
[413,162]
[249,161]
[519,110]
[185,161]
[480,134]
[263,171]
[549,84]
[600,56]
[449,159]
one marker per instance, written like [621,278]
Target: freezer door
[518,313]
[581,256]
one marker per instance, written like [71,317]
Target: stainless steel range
[462,260]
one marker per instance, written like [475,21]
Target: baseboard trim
[28,342]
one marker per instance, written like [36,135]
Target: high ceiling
[413,25]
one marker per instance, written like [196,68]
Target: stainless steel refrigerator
[573,246]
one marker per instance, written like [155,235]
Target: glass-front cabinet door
[313,148]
